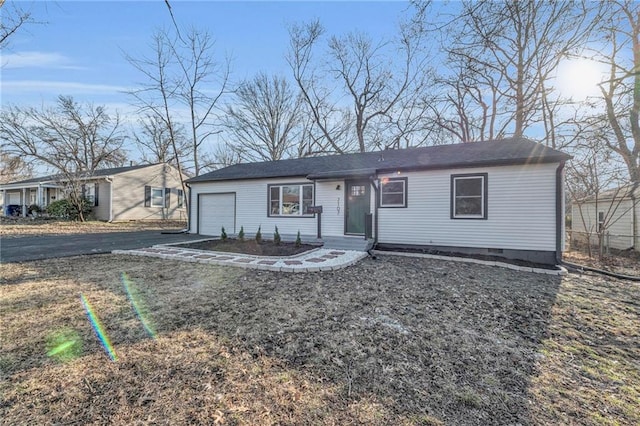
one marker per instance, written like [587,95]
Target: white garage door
[13,198]
[216,211]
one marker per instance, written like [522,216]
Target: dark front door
[357,205]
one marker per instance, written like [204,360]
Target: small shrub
[34,208]
[276,237]
[241,234]
[298,240]
[223,235]
[259,236]
[65,209]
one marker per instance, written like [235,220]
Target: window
[180,198]
[290,200]
[90,192]
[358,190]
[157,197]
[469,196]
[600,221]
[393,192]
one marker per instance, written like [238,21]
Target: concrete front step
[347,243]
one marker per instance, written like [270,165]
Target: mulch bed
[251,246]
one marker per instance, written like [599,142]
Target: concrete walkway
[311,261]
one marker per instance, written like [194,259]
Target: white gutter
[110,180]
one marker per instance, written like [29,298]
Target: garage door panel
[216,211]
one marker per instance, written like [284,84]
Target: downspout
[376,191]
[110,180]
[559,212]
[634,221]
[189,207]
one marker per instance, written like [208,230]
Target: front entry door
[357,205]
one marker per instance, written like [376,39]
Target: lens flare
[98,328]
[138,306]
[64,345]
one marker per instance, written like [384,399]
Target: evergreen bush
[276,237]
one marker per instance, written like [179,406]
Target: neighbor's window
[600,221]
[180,198]
[290,200]
[469,196]
[157,197]
[393,192]
[90,192]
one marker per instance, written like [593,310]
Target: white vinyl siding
[521,202]
[618,218]
[252,203]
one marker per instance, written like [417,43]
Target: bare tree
[376,78]
[13,18]
[501,57]
[264,119]
[154,140]
[183,82]
[71,139]
[617,124]
[598,190]
[13,168]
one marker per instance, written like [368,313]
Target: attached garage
[216,211]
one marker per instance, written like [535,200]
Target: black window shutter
[147,196]
[95,194]
[167,198]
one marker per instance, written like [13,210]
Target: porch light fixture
[338,187]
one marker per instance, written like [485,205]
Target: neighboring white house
[151,191]
[500,198]
[615,212]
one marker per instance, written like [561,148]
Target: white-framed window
[157,197]
[393,192]
[180,198]
[90,192]
[600,221]
[469,196]
[290,199]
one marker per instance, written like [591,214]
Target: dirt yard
[16,227]
[387,341]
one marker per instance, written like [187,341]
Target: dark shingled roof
[487,153]
[97,173]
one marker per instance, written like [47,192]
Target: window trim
[484,197]
[301,185]
[405,193]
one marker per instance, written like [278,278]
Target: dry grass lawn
[18,227]
[387,341]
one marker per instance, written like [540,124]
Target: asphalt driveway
[26,248]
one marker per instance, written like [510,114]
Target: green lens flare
[138,306]
[64,345]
